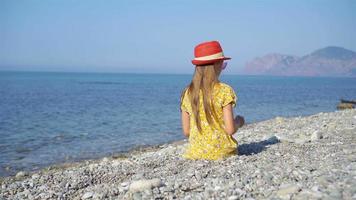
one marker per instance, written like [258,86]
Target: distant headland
[328,61]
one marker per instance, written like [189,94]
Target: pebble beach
[309,157]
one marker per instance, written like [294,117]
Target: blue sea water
[48,118]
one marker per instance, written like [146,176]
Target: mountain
[329,61]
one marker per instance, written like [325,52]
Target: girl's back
[212,142]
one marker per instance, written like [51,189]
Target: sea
[48,118]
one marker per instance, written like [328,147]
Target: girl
[207,107]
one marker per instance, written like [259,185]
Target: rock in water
[141,185]
[342,106]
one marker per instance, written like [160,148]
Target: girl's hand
[239,121]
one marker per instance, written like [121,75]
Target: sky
[159,36]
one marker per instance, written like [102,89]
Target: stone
[137,196]
[352,157]
[334,193]
[217,188]
[316,135]
[304,138]
[284,139]
[124,184]
[93,166]
[116,163]
[87,195]
[342,106]
[286,191]
[279,119]
[233,197]
[324,181]
[309,194]
[348,151]
[31,184]
[35,176]
[301,141]
[141,185]
[99,196]
[21,174]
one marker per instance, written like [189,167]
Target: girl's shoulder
[224,86]
[185,91]
[219,87]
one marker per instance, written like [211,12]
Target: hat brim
[206,62]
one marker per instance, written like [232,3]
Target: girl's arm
[185,123]
[229,121]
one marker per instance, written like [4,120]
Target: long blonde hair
[204,79]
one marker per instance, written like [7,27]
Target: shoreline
[114,176]
[120,154]
[127,153]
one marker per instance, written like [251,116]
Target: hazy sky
[159,36]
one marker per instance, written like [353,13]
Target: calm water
[48,118]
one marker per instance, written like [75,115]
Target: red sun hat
[208,53]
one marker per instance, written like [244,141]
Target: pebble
[124,184]
[87,195]
[300,140]
[116,163]
[141,185]
[308,194]
[21,174]
[316,135]
[137,196]
[35,176]
[217,188]
[234,197]
[286,191]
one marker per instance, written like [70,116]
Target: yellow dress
[213,143]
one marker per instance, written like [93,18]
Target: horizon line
[164,73]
